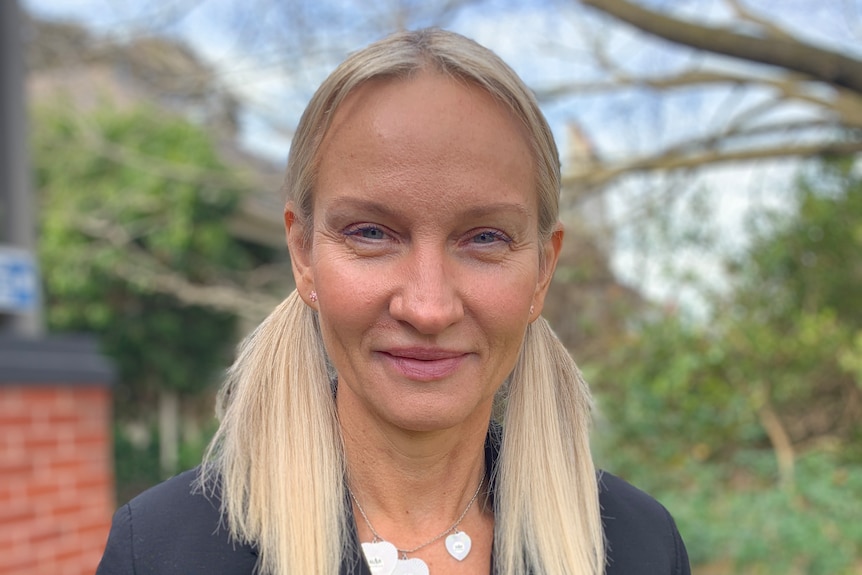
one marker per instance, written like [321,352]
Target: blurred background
[711,282]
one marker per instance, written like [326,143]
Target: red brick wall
[56,478]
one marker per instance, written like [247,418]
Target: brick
[61,465]
[19,565]
[15,535]
[96,459]
[63,418]
[69,553]
[88,562]
[36,443]
[94,539]
[43,489]
[21,553]
[15,419]
[56,481]
[90,395]
[89,440]
[72,507]
[8,494]
[12,399]
[8,545]
[86,483]
[15,515]
[46,532]
[41,395]
[13,440]
[65,398]
[15,468]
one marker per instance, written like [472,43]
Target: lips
[423,363]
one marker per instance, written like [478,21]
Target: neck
[411,481]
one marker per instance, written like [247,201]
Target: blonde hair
[277,460]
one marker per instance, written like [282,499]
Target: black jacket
[169,530]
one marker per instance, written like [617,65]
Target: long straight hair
[277,461]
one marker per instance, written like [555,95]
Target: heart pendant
[381,557]
[458,545]
[413,566]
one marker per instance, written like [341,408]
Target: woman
[356,424]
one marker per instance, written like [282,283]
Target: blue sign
[18,281]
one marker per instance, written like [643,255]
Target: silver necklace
[386,559]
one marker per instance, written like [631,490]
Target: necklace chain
[404,552]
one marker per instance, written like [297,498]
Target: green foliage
[136,463]
[130,202]
[809,260]
[665,378]
[749,424]
[136,459]
[134,211]
[752,527]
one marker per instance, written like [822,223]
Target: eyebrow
[347,203]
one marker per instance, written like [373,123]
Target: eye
[366,232]
[490,237]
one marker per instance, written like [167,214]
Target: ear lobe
[551,254]
[300,252]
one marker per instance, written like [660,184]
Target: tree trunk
[169,431]
[781,444]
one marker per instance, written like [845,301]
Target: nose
[427,295]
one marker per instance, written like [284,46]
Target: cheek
[508,287]
[351,297]
[503,302]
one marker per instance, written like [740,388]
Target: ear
[300,253]
[551,254]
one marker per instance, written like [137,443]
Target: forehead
[413,100]
[431,132]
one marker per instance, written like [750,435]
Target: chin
[427,418]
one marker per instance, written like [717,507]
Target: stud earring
[532,309]
[312,296]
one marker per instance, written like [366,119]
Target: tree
[796,302]
[779,96]
[751,87]
[755,413]
[121,245]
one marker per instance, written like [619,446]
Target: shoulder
[640,534]
[173,528]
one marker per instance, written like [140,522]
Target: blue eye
[367,233]
[372,233]
[489,237]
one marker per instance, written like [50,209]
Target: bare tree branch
[737,134]
[591,180]
[791,85]
[685,79]
[767,26]
[790,54]
[141,269]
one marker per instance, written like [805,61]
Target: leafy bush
[748,424]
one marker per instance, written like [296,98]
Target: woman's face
[425,253]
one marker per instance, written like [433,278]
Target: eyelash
[358,231]
[495,234]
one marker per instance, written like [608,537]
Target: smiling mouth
[424,366]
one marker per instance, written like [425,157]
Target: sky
[548,43]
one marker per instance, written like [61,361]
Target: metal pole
[18,223]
